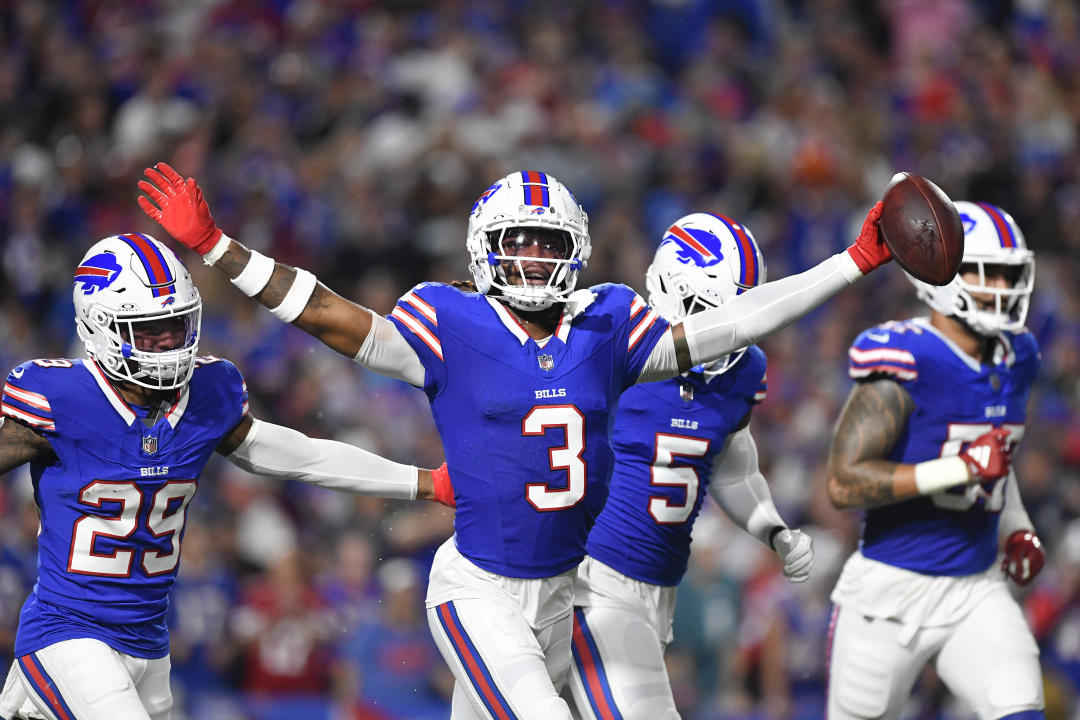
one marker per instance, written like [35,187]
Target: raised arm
[870,425]
[710,334]
[280,452]
[292,294]
[19,445]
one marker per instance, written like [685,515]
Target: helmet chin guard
[991,238]
[518,202]
[702,262]
[130,287]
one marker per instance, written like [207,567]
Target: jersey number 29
[165,517]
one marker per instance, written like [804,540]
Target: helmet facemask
[137,312]
[993,245]
[523,210]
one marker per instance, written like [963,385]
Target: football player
[673,440]
[116,443]
[522,377]
[924,445]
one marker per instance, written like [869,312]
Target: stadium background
[352,137]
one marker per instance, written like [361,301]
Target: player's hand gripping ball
[1024,556]
[922,228]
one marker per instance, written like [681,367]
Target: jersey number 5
[664,472]
[165,518]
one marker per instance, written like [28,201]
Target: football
[922,229]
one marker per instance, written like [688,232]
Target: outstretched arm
[291,294]
[746,318]
[275,451]
[739,488]
[19,445]
[870,425]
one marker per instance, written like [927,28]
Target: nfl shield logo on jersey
[149,445]
[546,361]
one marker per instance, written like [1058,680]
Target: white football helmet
[991,237]
[527,199]
[703,261]
[131,287]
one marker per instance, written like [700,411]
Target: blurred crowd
[352,136]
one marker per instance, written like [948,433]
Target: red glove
[869,250]
[183,211]
[441,487]
[1024,557]
[989,457]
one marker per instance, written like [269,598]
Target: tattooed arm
[339,323]
[19,445]
[870,425]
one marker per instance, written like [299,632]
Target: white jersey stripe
[424,309]
[636,306]
[33,399]
[642,327]
[881,354]
[419,330]
[34,420]
[109,391]
[885,369]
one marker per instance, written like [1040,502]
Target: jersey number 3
[164,519]
[568,457]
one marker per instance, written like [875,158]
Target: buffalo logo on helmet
[97,272]
[484,198]
[696,247]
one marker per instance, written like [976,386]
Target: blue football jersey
[667,435]
[113,505]
[957,399]
[525,426]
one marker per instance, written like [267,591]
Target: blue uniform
[525,427]
[957,399]
[113,505]
[665,442]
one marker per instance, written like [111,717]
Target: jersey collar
[511,323]
[173,414]
[1003,352]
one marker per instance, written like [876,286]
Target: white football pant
[989,660]
[85,679]
[507,640]
[621,627]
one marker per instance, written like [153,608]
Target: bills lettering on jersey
[665,443]
[957,398]
[109,546]
[526,438]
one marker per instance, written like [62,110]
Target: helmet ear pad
[703,261]
[991,238]
[523,200]
[130,291]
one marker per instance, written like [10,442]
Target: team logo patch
[546,361]
[97,273]
[149,444]
[696,247]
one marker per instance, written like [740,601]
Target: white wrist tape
[297,298]
[936,475]
[281,452]
[218,250]
[255,274]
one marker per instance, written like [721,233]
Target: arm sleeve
[386,352]
[739,488]
[1013,514]
[766,308]
[282,452]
